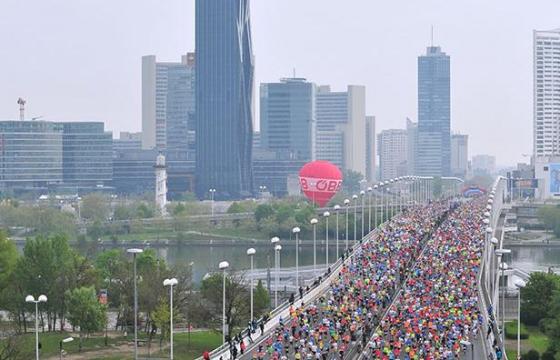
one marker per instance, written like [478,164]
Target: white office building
[459,155]
[392,150]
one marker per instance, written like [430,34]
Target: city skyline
[498,95]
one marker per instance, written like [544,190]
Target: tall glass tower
[224,98]
[433,156]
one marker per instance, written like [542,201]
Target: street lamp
[64,341]
[503,267]
[519,284]
[326,215]
[251,253]
[374,208]
[390,199]
[381,184]
[134,253]
[336,210]
[170,282]
[262,190]
[362,194]
[277,249]
[223,266]
[31,299]
[355,198]
[274,241]
[314,222]
[296,231]
[347,203]
[369,190]
[212,192]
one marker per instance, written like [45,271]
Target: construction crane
[21,104]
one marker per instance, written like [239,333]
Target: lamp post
[381,184]
[277,249]
[262,190]
[519,284]
[223,266]
[31,299]
[347,203]
[170,282]
[390,198]
[369,190]
[212,192]
[355,198]
[336,210]
[493,244]
[134,253]
[374,208]
[503,267]
[296,231]
[326,215]
[274,241]
[64,341]
[362,194]
[314,222]
[466,344]
[251,253]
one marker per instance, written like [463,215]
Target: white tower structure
[161,184]
[21,102]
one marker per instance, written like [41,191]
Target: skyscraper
[434,114]
[168,105]
[459,155]
[288,118]
[224,90]
[546,104]
[341,127]
[392,145]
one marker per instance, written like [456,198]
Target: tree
[85,311]
[236,208]
[537,297]
[8,259]
[531,355]
[261,300]
[122,212]
[351,181]
[145,212]
[95,207]
[179,209]
[550,216]
[161,317]
[263,211]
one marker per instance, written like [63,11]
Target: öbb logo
[322,185]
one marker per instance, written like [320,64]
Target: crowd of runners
[438,305]
[345,316]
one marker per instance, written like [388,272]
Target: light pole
[362,194]
[493,244]
[212,192]
[369,190]
[336,210]
[134,253]
[31,299]
[503,267]
[274,241]
[314,222]
[251,253]
[262,190]
[170,282]
[277,249]
[64,341]
[326,215]
[466,344]
[347,203]
[390,198]
[355,198]
[374,208]
[296,231]
[519,284]
[223,266]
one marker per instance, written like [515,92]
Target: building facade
[370,149]
[411,146]
[288,118]
[459,155]
[546,92]
[392,150]
[168,104]
[434,114]
[224,98]
[87,151]
[483,165]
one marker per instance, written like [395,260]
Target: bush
[549,354]
[531,355]
[511,331]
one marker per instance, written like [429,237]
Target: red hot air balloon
[319,181]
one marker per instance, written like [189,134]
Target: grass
[537,340]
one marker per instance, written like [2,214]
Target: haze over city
[80,60]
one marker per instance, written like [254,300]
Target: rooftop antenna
[21,103]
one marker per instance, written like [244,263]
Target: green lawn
[537,340]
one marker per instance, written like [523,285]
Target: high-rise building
[411,146]
[341,127]
[288,118]
[434,114]
[87,151]
[224,98]
[459,155]
[168,105]
[483,165]
[127,141]
[546,104]
[391,147]
[370,148]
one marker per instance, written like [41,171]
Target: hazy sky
[80,59]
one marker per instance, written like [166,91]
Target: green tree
[144,211]
[351,181]
[8,259]
[161,317]
[122,212]
[537,297]
[179,209]
[531,355]
[95,207]
[236,208]
[261,300]
[85,311]
[263,211]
